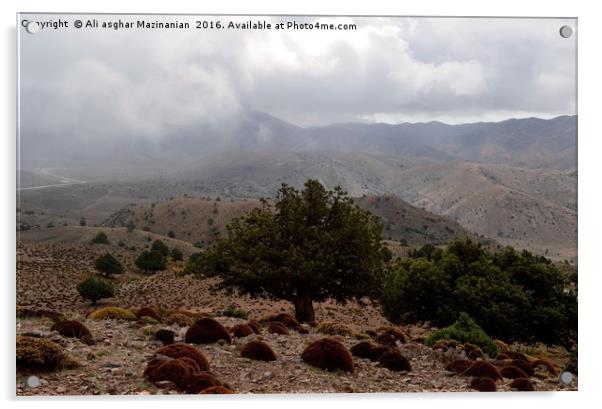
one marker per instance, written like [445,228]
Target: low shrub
[526,366]
[72,329]
[148,312]
[483,384]
[255,326]
[513,372]
[112,313]
[166,336]
[178,371]
[547,365]
[201,381]
[179,319]
[217,390]
[334,328]
[287,319]
[394,361]
[395,332]
[241,330]
[465,330]
[40,354]
[234,312]
[23,312]
[277,328]
[180,350]
[522,385]
[258,350]
[207,331]
[94,289]
[368,350]
[459,366]
[483,369]
[328,354]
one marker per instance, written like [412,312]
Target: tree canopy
[152,261]
[108,265]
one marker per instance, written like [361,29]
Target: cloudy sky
[142,82]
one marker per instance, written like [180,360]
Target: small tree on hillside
[160,247]
[176,254]
[108,265]
[95,289]
[152,261]
[314,245]
[100,238]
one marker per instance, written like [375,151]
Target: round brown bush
[545,364]
[217,390]
[396,333]
[522,385]
[177,371]
[179,350]
[72,329]
[513,372]
[150,372]
[166,336]
[277,328]
[259,351]
[40,354]
[394,361]
[516,355]
[328,354]
[527,367]
[472,351]
[241,330]
[255,326]
[459,367]
[287,319]
[200,381]
[386,339]
[207,331]
[483,369]
[179,318]
[148,312]
[363,350]
[483,384]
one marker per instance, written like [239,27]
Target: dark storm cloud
[95,85]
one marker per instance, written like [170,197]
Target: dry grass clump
[207,331]
[179,350]
[217,390]
[241,330]
[483,369]
[148,312]
[166,336]
[334,328]
[549,367]
[259,351]
[112,313]
[179,318]
[40,354]
[328,354]
[394,361]
[522,385]
[72,329]
[483,384]
[277,328]
[513,372]
[459,367]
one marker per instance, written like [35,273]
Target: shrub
[465,330]
[199,382]
[160,248]
[112,313]
[152,261]
[166,336]
[365,350]
[259,351]
[513,372]
[483,384]
[217,390]
[180,319]
[180,350]
[394,361]
[241,330]
[100,238]
[148,312]
[512,295]
[255,326]
[95,289]
[526,366]
[207,331]
[459,367]
[483,369]
[108,265]
[40,354]
[472,351]
[396,333]
[176,254]
[334,328]
[234,312]
[522,385]
[72,329]
[277,328]
[328,354]
[177,370]
[546,364]
[23,312]
[516,355]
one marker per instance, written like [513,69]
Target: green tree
[108,265]
[82,221]
[176,254]
[94,289]
[152,261]
[310,246]
[160,247]
[130,226]
[101,238]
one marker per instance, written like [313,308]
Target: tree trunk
[304,308]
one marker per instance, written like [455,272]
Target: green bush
[234,312]
[465,330]
[101,238]
[152,261]
[95,289]
[512,295]
[160,247]
[176,254]
[108,265]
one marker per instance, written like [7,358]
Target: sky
[146,83]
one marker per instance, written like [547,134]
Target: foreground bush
[465,330]
[512,295]
[72,329]
[112,313]
[179,350]
[207,331]
[258,350]
[328,354]
[95,289]
[40,354]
